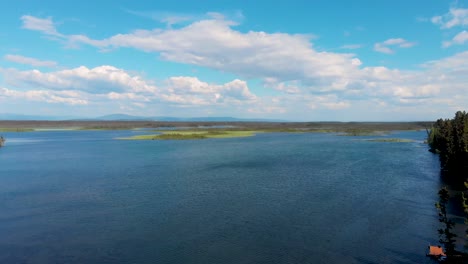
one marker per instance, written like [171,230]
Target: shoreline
[204,130]
[335,127]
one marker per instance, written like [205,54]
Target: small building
[436,252]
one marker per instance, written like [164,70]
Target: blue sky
[294,60]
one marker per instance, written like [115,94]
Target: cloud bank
[296,76]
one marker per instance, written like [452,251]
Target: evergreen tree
[447,238]
[449,138]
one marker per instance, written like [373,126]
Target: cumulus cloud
[96,80]
[455,17]
[29,61]
[111,83]
[64,97]
[213,43]
[440,79]
[330,102]
[302,78]
[388,45]
[291,87]
[453,63]
[185,90]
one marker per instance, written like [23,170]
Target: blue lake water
[84,197]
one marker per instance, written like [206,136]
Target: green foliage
[447,237]
[449,138]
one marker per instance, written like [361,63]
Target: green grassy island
[193,134]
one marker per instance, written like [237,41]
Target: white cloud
[337,105]
[287,64]
[330,102]
[434,86]
[127,96]
[29,61]
[74,39]
[455,17]
[96,80]
[459,39]
[184,89]
[111,83]
[455,63]
[444,78]
[291,87]
[267,109]
[383,49]
[215,44]
[64,97]
[387,45]
[44,25]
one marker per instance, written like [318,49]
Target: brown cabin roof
[436,251]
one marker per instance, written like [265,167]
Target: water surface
[84,197]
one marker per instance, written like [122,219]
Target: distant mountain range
[125,117]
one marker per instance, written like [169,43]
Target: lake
[85,197]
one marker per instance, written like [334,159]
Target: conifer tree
[447,237]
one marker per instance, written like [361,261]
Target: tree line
[449,139]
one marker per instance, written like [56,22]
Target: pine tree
[449,139]
[447,238]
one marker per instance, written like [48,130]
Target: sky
[333,60]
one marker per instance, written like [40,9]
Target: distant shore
[347,127]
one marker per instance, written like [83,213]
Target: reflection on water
[82,197]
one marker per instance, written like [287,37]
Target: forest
[449,139]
